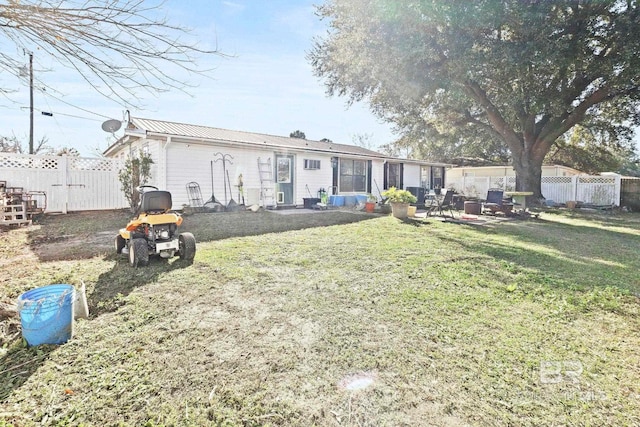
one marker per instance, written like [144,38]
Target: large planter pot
[400,210]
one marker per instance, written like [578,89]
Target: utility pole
[30,103]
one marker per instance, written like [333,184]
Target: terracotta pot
[369,207]
[400,210]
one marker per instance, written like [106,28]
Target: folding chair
[442,203]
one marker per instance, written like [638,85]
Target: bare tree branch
[117,46]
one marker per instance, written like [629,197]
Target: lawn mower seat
[155,202]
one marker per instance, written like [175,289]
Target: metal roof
[210,134]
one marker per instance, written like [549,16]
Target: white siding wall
[156,151]
[192,162]
[314,179]
[154,148]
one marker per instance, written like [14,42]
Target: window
[353,175]
[284,170]
[393,175]
[437,177]
[425,176]
[311,164]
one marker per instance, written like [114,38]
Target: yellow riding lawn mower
[154,230]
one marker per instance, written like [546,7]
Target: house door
[284,179]
[437,177]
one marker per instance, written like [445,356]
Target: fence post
[464,181]
[574,187]
[64,169]
[617,189]
[505,180]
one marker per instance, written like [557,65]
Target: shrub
[393,195]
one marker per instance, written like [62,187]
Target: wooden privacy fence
[597,190]
[70,183]
[630,193]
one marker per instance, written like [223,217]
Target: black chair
[496,203]
[443,203]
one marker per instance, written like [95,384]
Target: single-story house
[291,168]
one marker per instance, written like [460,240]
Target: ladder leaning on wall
[267,190]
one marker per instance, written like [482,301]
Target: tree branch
[117,46]
[497,121]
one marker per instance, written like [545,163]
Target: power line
[79,108]
[76,117]
[55,113]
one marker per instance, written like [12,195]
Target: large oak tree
[522,72]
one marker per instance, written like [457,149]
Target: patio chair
[496,203]
[442,203]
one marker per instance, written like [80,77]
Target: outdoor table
[519,197]
[434,203]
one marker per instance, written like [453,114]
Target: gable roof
[150,127]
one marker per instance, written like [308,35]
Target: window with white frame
[311,164]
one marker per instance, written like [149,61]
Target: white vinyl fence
[70,183]
[597,190]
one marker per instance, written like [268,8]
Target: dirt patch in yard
[74,247]
[88,234]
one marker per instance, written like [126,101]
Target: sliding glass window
[353,176]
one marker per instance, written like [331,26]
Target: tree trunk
[529,177]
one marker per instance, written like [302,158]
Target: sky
[265,85]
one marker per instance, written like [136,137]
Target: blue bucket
[350,200]
[46,314]
[361,199]
[336,200]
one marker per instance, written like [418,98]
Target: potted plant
[370,204]
[399,200]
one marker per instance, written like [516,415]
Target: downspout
[164,163]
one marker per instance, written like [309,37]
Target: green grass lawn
[370,322]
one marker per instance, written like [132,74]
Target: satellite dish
[111,125]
